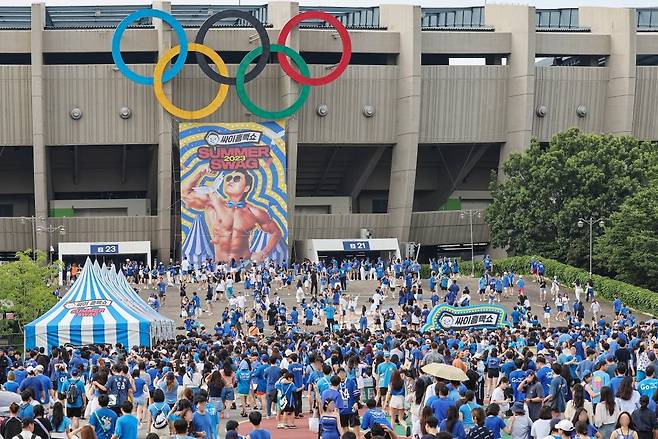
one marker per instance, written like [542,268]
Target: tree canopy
[629,247]
[548,188]
[24,286]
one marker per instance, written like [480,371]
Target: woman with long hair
[395,398]
[624,428]
[415,400]
[60,423]
[627,398]
[578,402]
[422,422]
[215,385]
[582,416]
[451,424]
[169,385]
[606,413]
[493,373]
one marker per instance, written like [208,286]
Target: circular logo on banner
[300,75]
[447,320]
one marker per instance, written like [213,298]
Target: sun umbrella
[445,371]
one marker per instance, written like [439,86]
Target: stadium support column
[39,155]
[619,23]
[519,22]
[165,174]
[279,12]
[404,20]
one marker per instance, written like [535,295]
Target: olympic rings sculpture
[300,75]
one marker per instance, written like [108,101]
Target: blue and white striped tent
[197,247]
[91,312]
[162,328]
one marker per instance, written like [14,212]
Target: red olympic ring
[344,59]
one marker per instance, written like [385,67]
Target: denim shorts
[228,394]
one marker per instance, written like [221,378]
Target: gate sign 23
[104,249]
[160,75]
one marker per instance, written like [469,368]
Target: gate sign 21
[160,75]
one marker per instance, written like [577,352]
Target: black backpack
[72,393]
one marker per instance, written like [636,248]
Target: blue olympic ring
[167,18]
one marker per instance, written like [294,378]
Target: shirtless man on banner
[232,219]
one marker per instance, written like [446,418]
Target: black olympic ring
[262,33]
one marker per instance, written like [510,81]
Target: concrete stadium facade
[433,102]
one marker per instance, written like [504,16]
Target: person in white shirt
[242,302]
[498,395]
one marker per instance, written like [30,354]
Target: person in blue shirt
[271,376]
[385,370]
[74,408]
[127,424]
[255,419]
[648,385]
[156,422]
[493,422]
[11,385]
[440,404]
[330,313]
[297,371]
[286,401]
[202,420]
[31,382]
[452,424]
[374,415]
[466,409]
[349,392]
[515,378]
[244,377]
[102,420]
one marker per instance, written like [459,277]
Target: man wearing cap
[565,427]
[519,425]
[534,394]
[32,383]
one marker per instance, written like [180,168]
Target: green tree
[535,210]
[25,286]
[629,247]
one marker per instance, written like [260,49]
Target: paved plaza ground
[362,289]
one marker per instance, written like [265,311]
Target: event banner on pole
[234,202]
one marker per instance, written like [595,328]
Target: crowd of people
[324,364]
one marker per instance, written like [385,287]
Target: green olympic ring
[250,105]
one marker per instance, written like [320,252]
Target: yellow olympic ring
[164,100]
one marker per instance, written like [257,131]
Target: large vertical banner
[234,202]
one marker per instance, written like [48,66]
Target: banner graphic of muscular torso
[234,201]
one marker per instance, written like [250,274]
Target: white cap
[288,352]
[565,425]
[29,369]
[39,368]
